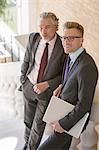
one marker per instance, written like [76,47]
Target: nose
[43,31]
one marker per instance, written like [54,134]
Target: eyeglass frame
[70,38]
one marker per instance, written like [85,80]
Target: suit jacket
[53,70]
[79,89]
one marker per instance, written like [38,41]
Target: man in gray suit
[77,88]
[37,91]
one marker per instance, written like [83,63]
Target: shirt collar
[74,55]
[52,41]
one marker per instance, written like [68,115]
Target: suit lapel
[34,49]
[74,66]
[72,69]
[35,46]
[54,53]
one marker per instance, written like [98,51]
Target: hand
[56,127]
[57,91]
[40,87]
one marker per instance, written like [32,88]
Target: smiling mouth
[67,46]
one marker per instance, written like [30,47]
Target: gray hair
[52,16]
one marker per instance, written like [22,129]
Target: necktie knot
[46,44]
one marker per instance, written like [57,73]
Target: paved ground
[11,134]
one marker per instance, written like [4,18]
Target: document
[58,109]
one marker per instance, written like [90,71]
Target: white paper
[58,109]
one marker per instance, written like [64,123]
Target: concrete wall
[85,12]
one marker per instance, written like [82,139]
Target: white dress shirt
[34,73]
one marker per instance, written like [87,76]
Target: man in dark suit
[39,78]
[77,88]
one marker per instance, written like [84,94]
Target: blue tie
[66,68]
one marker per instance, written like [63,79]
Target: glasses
[70,38]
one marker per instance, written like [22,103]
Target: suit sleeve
[26,61]
[87,79]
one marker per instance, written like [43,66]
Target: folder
[58,109]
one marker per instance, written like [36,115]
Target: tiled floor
[11,134]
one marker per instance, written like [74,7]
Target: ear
[81,40]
